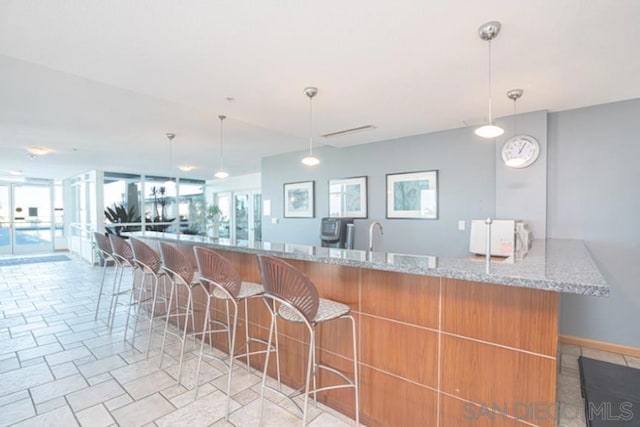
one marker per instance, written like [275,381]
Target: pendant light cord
[515,117]
[170,157]
[490,100]
[310,126]
[221,143]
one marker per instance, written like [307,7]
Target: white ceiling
[101,82]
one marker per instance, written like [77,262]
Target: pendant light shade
[310,160]
[221,174]
[488,32]
[489,131]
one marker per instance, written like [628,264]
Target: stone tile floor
[60,367]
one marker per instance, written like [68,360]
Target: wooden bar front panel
[432,351]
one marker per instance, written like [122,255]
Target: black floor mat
[611,393]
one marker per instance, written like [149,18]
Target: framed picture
[348,197]
[298,200]
[412,195]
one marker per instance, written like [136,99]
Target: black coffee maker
[333,233]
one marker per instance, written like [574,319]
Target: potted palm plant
[118,214]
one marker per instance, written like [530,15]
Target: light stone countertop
[559,265]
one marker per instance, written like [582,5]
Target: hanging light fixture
[170,137]
[514,95]
[221,174]
[488,32]
[310,160]
[519,151]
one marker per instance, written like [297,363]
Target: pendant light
[488,32]
[170,136]
[221,174]
[310,160]
[514,95]
[519,151]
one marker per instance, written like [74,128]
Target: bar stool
[179,269]
[147,260]
[123,256]
[104,248]
[291,296]
[225,284]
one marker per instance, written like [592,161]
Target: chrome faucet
[371,227]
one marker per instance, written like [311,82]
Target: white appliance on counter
[509,238]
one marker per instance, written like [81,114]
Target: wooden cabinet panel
[389,401]
[335,336]
[335,282]
[246,264]
[455,412]
[516,317]
[341,399]
[404,297]
[491,375]
[404,350]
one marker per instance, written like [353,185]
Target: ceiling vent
[349,131]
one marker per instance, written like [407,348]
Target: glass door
[247,209]
[32,221]
[6,235]
[241,216]
[257,217]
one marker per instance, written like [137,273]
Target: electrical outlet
[461,225]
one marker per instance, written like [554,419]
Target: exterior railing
[81,242]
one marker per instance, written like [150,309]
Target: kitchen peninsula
[441,341]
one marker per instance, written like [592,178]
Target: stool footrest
[349,383]
[255,340]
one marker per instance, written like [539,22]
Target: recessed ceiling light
[16,172]
[186,168]
[39,151]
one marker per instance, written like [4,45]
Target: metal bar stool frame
[181,272]
[290,295]
[147,260]
[225,284]
[122,254]
[103,246]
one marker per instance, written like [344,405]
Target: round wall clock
[520,151]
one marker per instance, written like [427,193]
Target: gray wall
[466,190]
[522,193]
[594,176]
[467,183]
[591,187]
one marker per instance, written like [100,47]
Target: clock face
[520,151]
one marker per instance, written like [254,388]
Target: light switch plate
[461,225]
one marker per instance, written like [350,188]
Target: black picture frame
[299,199]
[348,197]
[412,195]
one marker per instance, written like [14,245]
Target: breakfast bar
[442,341]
